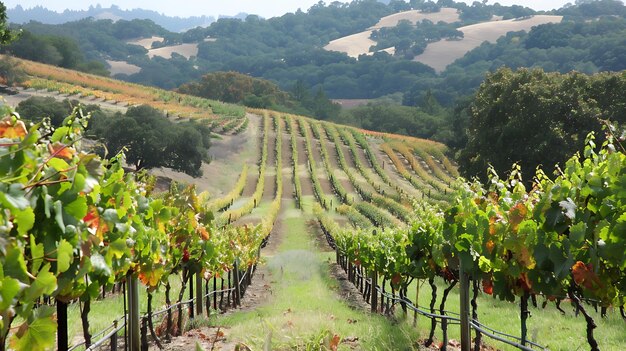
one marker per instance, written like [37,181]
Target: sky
[264,8]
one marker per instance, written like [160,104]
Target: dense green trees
[535,118]
[151,140]
[410,40]
[5,33]
[239,88]
[37,108]
[53,50]
[235,88]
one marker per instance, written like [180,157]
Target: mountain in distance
[19,15]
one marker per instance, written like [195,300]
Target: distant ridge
[20,15]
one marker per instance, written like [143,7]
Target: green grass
[105,311]
[305,308]
[546,327]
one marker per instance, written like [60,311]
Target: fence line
[364,285]
[239,285]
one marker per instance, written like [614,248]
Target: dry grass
[146,42]
[440,54]
[447,14]
[360,43]
[186,50]
[122,67]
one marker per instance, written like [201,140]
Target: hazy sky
[265,8]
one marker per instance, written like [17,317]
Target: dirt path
[303,172]
[287,171]
[297,298]
[269,191]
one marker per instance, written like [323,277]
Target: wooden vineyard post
[466,337]
[198,294]
[373,295]
[237,296]
[133,313]
[62,340]
[417,298]
[191,297]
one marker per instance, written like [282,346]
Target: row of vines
[72,223]
[562,239]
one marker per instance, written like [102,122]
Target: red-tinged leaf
[524,283]
[334,342]
[488,286]
[490,245]
[12,131]
[204,233]
[585,276]
[396,279]
[517,214]
[94,225]
[61,151]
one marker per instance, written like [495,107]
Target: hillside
[359,43]
[442,53]
[445,57]
[22,15]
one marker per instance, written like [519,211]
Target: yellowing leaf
[12,131]
[61,151]
[517,214]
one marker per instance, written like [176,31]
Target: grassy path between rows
[305,304]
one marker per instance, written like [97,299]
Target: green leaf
[9,288]
[44,284]
[110,216]
[79,183]
[58,164]
[464,242]
[100,265]
[38,334]
[36,253]
[65,256]
[77,208]
[15,266]
[118,248]
[25,220]
[14,197]
[59,133]
[577,233]
[58,215]
[484,264]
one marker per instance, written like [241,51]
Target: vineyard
[412,238]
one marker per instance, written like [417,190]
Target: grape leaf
[577,233]
[38,334]
[25,220]
[77,208]
[569,207]
[9,288]
[65,256]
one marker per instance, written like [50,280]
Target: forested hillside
[289,48]
[22,15]
[289,51]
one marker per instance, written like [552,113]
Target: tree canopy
[150,140]
[535,118]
